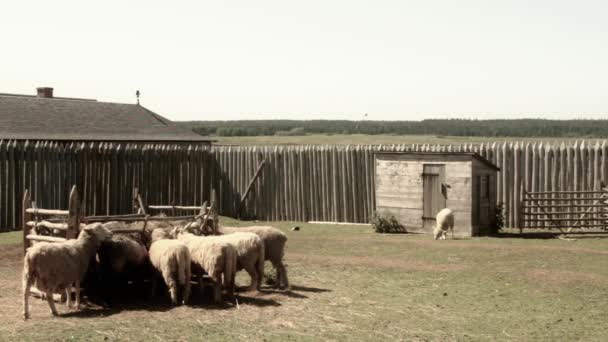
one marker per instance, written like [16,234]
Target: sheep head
[98,230]
[159,234]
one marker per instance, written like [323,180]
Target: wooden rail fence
[300,183]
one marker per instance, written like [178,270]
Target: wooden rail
[30,219]
[47,224]
[38,211]
[174,207]
[44,238]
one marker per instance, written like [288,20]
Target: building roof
[38,118]
[468,155]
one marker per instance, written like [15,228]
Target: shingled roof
[54,118]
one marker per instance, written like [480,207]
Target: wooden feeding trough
[206,215]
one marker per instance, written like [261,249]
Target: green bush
[499,218]
[270,278]
[386,224]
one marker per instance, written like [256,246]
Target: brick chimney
[45,92]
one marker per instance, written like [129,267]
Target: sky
[329,59]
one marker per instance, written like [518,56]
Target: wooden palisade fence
[314,182]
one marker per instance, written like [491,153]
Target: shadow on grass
[257,301]
[308,289]
[552,235]
[130,299]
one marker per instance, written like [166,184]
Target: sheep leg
[68,295]
[284,275]
[77,294]
[229,283]
[27,284]
[254,284]
[282,281]
[186,293]
[279,275]
[49,299]
[217,292]
[201,284]
[153,285]
[171,284]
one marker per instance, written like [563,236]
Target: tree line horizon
[584,128]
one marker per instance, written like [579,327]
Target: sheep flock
[172,253]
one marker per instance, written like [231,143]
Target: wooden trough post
[214,211]
[25,217]
[138,203]
[73,215]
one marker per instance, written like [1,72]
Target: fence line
[315,182]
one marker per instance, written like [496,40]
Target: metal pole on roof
[137,94]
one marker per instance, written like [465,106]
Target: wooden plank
[547,199]
[564,205]
[174,207]
[47,224]
[252,181]
[73,214]
[44,238]
[54,212]
[25,217]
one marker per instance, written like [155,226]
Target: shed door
[433,176]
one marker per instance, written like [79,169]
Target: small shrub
[386,224]
[499,218]
[270,277]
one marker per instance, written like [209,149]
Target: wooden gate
[565,210]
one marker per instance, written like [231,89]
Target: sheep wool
[54,267]
[444,222]
[274,247]
[172,259]
[216,258]
[250,254]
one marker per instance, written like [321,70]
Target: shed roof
[35,118]
[468,155]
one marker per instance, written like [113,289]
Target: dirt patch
[403,264]
[11,254]
[560,277]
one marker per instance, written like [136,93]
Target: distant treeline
[450,127]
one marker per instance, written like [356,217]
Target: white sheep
[172,259]
[274,247]
[54,267]
[216,258]
[250,254]
[444,222]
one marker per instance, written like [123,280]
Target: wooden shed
[415,186]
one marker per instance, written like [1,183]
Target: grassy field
[321,139]
[352,284]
